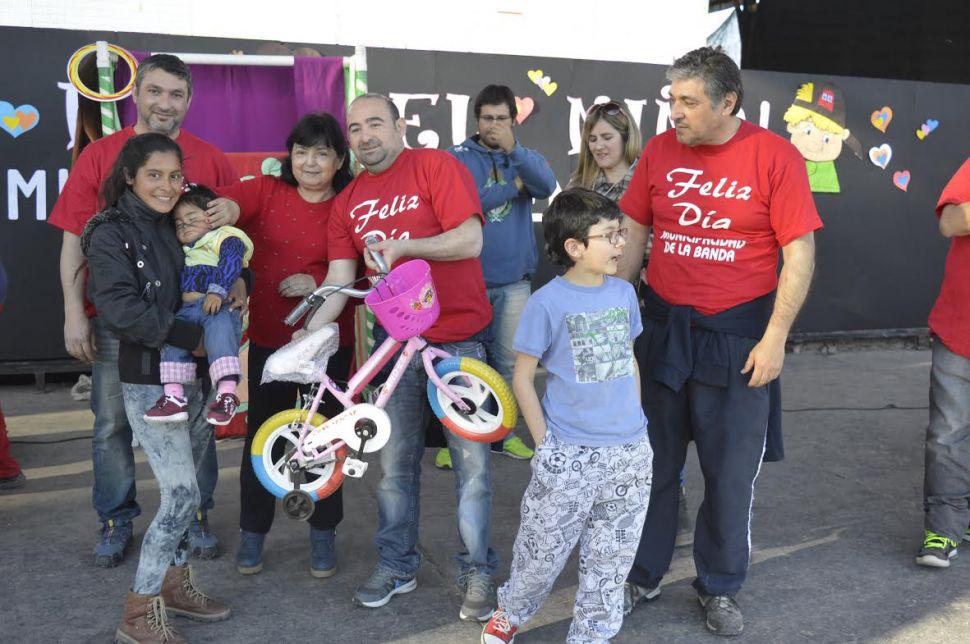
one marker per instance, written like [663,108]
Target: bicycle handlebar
[313,301]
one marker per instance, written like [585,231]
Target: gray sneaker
[634,594]
[479,601]
[381,586]
[722,614]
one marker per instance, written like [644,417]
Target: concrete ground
[835,529]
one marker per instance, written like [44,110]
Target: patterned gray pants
[174,451]
[597,496]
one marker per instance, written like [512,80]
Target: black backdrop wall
[880,257]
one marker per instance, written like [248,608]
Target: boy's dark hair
[198,196]
[570,216]
[167,63]
[495,95]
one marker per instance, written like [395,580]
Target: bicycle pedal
[354,468]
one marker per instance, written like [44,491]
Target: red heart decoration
[524,107]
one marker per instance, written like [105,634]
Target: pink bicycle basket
[405,301]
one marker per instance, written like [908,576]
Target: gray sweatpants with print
[175,452]
[597,496]
[946,483]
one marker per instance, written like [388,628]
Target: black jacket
[134,264]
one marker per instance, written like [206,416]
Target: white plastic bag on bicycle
[305,360]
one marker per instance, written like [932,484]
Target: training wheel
[298,505]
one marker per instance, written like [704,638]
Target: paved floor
[834,532]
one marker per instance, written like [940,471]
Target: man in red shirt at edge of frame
[946,483]
[722,196]
[162,95]
[420,203]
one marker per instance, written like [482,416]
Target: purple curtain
[243,108]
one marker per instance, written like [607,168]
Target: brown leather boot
[182,597]
[144,622]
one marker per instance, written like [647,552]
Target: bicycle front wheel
[493,412]
[273,446]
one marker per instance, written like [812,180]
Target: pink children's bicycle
[302,457]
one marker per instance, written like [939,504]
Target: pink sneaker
[222,409]
[498,630]
[168,409]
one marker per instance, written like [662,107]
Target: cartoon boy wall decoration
[816,122]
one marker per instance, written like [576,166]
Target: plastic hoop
[75,61]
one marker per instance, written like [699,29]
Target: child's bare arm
[523,385]
[636,374]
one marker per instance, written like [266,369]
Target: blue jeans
[222,332]
[946,481]
[507,304]
[176,453]
[113,494]
[399,492]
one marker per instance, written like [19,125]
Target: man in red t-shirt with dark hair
[946,484]
[722,196]
[162,94]
[419,204]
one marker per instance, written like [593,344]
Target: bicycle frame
[363,376]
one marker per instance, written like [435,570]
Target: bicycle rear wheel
[273,445]
[493,409]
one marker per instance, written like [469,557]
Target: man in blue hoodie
[508,176]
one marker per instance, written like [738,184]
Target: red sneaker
[223,409]
[168,409]
[498,630]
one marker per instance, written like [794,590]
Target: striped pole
[355,84]
[110,122]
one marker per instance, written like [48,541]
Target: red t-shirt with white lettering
[719,215]
[202,163]
[950,317]
[424,193]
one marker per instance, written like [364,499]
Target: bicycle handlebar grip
[298,312]
[376,255]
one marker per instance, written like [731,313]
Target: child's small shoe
[498,630]
[223,409]
[168,409]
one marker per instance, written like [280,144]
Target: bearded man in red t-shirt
[419,204]
[722,195]
[162,94]
[946,483]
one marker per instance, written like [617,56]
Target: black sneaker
[937,550]
[722,614]
[634,595]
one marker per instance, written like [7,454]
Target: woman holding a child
[135,261]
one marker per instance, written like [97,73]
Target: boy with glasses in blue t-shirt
[591,472]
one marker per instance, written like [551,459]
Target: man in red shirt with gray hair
[162,94]
[722,196]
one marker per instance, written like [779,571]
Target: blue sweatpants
[728,424]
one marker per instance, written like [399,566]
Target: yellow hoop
[75,61]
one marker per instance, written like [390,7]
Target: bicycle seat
[304,360]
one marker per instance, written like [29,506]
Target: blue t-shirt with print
[583,336]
